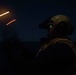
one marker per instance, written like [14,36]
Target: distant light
[4,13]
[11,22]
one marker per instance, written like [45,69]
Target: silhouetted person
[57,52]
[13,49]
[18,56]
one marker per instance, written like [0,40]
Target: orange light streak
[4,13]
[11,22]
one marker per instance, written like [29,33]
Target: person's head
[59,25]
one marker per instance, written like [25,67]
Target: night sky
[30,13]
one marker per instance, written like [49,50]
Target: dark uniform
[56,56]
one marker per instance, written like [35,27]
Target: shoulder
[60,48]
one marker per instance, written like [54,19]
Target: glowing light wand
[4,13]
[10,22]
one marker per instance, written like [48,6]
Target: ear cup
[62,28]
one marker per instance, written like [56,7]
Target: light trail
[4,13]
[10,22]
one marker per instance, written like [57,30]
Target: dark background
[30,13]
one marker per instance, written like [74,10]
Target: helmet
[60,23]
[60,18]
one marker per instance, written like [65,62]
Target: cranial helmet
[60,23]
